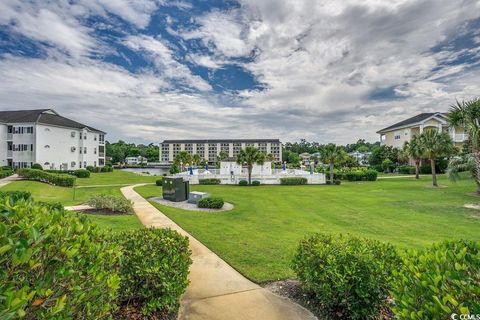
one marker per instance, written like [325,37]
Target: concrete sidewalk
[7,180]
[216,290]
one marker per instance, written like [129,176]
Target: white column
[230,149]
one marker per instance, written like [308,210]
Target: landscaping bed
[184,205]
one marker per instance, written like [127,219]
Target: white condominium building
[45,137]
[210,149]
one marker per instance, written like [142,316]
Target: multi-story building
[396,135]
[45,137]
[210,149]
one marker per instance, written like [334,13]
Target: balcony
[101,155]
[9,153]
[9,136]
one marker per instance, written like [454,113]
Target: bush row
[209,181]
[5,172]
[254,183]
[63,180]
[406,169]
[363,175]
[211,203]
[354,277]
[335,182]
[80,173]
[111,203]
[56,265]
[158,182]
[293,181]
[106,168]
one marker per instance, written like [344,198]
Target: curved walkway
[7,180]
[216,290]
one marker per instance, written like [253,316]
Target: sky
[327,71]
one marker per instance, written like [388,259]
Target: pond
[150,171]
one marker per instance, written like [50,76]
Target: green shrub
[5,173]
[337,182]
[438,281]
[355,176]
[90,168]
[82,173]
[406,169]
[243,183]
[55,265]
[347,275]
[328,182]
[255,183]
[63,180]
[106,169]
[111,203]
[16,195]
[371,175]
[158,182]
[293,181]
[99,169]
[37,166]
[211,203]
[209,181]
[154,269]
[388,165]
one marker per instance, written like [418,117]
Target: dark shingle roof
[415,119]
[44,116]
[223,141]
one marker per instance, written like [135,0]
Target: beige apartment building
[209,149]
[397,134]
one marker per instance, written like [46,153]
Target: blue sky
[148,70]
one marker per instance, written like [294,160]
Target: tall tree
[415,151]
[436,144]
[249,156]
[183,158]
[196,159]
[466,114]
[332,154]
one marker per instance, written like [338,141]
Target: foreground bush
[154,269]
[255,183]
[211,203]
[209,181]
[111,203]
[438,281]
[159,182]
[55,265]
[293,181]
[15,195]
[347,275]
[63,180]
[243,183]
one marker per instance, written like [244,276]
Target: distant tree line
[120,150]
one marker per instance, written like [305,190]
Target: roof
[223,141]
[413,120]
[43,116]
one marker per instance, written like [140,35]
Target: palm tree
[414,150]
[183,158]
[466,114]
[196,159]
[249,156]
[461,164]
[436,144]
[332,154]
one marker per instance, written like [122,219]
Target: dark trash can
[175,189]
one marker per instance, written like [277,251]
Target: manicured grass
[260,235]
[115,223]
[115,177]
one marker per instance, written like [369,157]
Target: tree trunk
[434,173]
[417,169]
[476,155]
[331,172]
[250,168]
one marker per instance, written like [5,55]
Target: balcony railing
[9,136]
[101,154]
[9,153]
[460,137]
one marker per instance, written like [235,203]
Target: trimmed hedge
[111,203]
[406,169]
[362,175]
[159,182]
[5,173]
[349,276]
[255,183]
[293,181]
[154,269]
[55,265]
[438,281]
[209,181]
[243,183]
[62,180]
[211,203]
[81,173]
[93,169]
[37,166]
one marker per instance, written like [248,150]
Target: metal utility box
[175,189]
[196,196]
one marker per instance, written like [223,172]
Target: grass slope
[115,223]
[260,235]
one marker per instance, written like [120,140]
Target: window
[94,150]
[47,129]
[73,134]
[85,136]
[47,146]
[95,138]
[397,136]
[84,164]
[85,150]
[73,164]
[80,164]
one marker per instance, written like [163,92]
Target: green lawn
[69,196]
[115,177]
[115,223]
[260,235]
